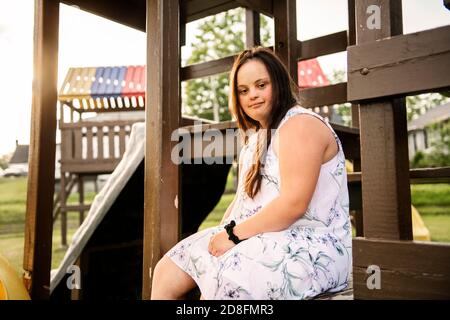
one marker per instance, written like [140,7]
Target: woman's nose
[253,93]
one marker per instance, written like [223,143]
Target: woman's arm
[302,143]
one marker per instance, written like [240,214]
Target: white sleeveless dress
[312,256]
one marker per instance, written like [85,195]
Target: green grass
[430,195]
[433,203]
[12,222]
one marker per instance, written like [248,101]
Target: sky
[89,40]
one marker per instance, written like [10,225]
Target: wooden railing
[93,147]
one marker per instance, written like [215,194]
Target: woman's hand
[219,244]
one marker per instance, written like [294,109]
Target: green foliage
[420,104]
[4,161]
[438,154]
[344,109]
[220,35]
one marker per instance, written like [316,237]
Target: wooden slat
[252,29]
[430,175]
[90,124]
[384,146]
[89,140]
[105,166]
[192,10]
[207,68]
[163,116]
[409,269]
[324,96]
[78,144]
[285,13]
[41,179]
[407,64]
[422,175]
[76,208]
[262,6]
[332,43]
[111,143]
[122,135]
[100,152]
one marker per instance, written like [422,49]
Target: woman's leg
[169,281]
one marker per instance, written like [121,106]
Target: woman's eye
[262,85]
[242,91]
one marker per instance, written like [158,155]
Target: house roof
[20,155]
[434,115]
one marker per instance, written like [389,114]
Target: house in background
[18,164]
[422,132]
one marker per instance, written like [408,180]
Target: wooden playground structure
[384,66]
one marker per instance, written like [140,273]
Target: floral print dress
[311,257]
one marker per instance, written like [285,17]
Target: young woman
[287,233]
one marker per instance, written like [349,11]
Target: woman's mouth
[256,105]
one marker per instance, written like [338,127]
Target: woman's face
[254,89]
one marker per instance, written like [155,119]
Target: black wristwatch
[231,236]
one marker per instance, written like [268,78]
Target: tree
[4,161]
[219,36]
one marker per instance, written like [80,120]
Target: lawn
[432,202]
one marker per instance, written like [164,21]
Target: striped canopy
[105,88]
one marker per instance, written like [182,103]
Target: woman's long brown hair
[284,96]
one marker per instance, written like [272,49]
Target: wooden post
[384,146]
[351,40]
[41,178]
[81,197]
[161,210]
[252,29]
[63,209]
[284,13]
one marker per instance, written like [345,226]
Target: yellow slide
[11,286]
[420,231]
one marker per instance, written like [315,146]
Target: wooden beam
[348,136]
[192,10]
[285,45]
[328,44]
[416,176]
[163,116]
[408,269]
[384,146]
[41,176]
[252,29]
[324,96]
[130,13]
[205,69]
[430,175]
[262,6]
[408,64]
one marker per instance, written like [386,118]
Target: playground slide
[132,157]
